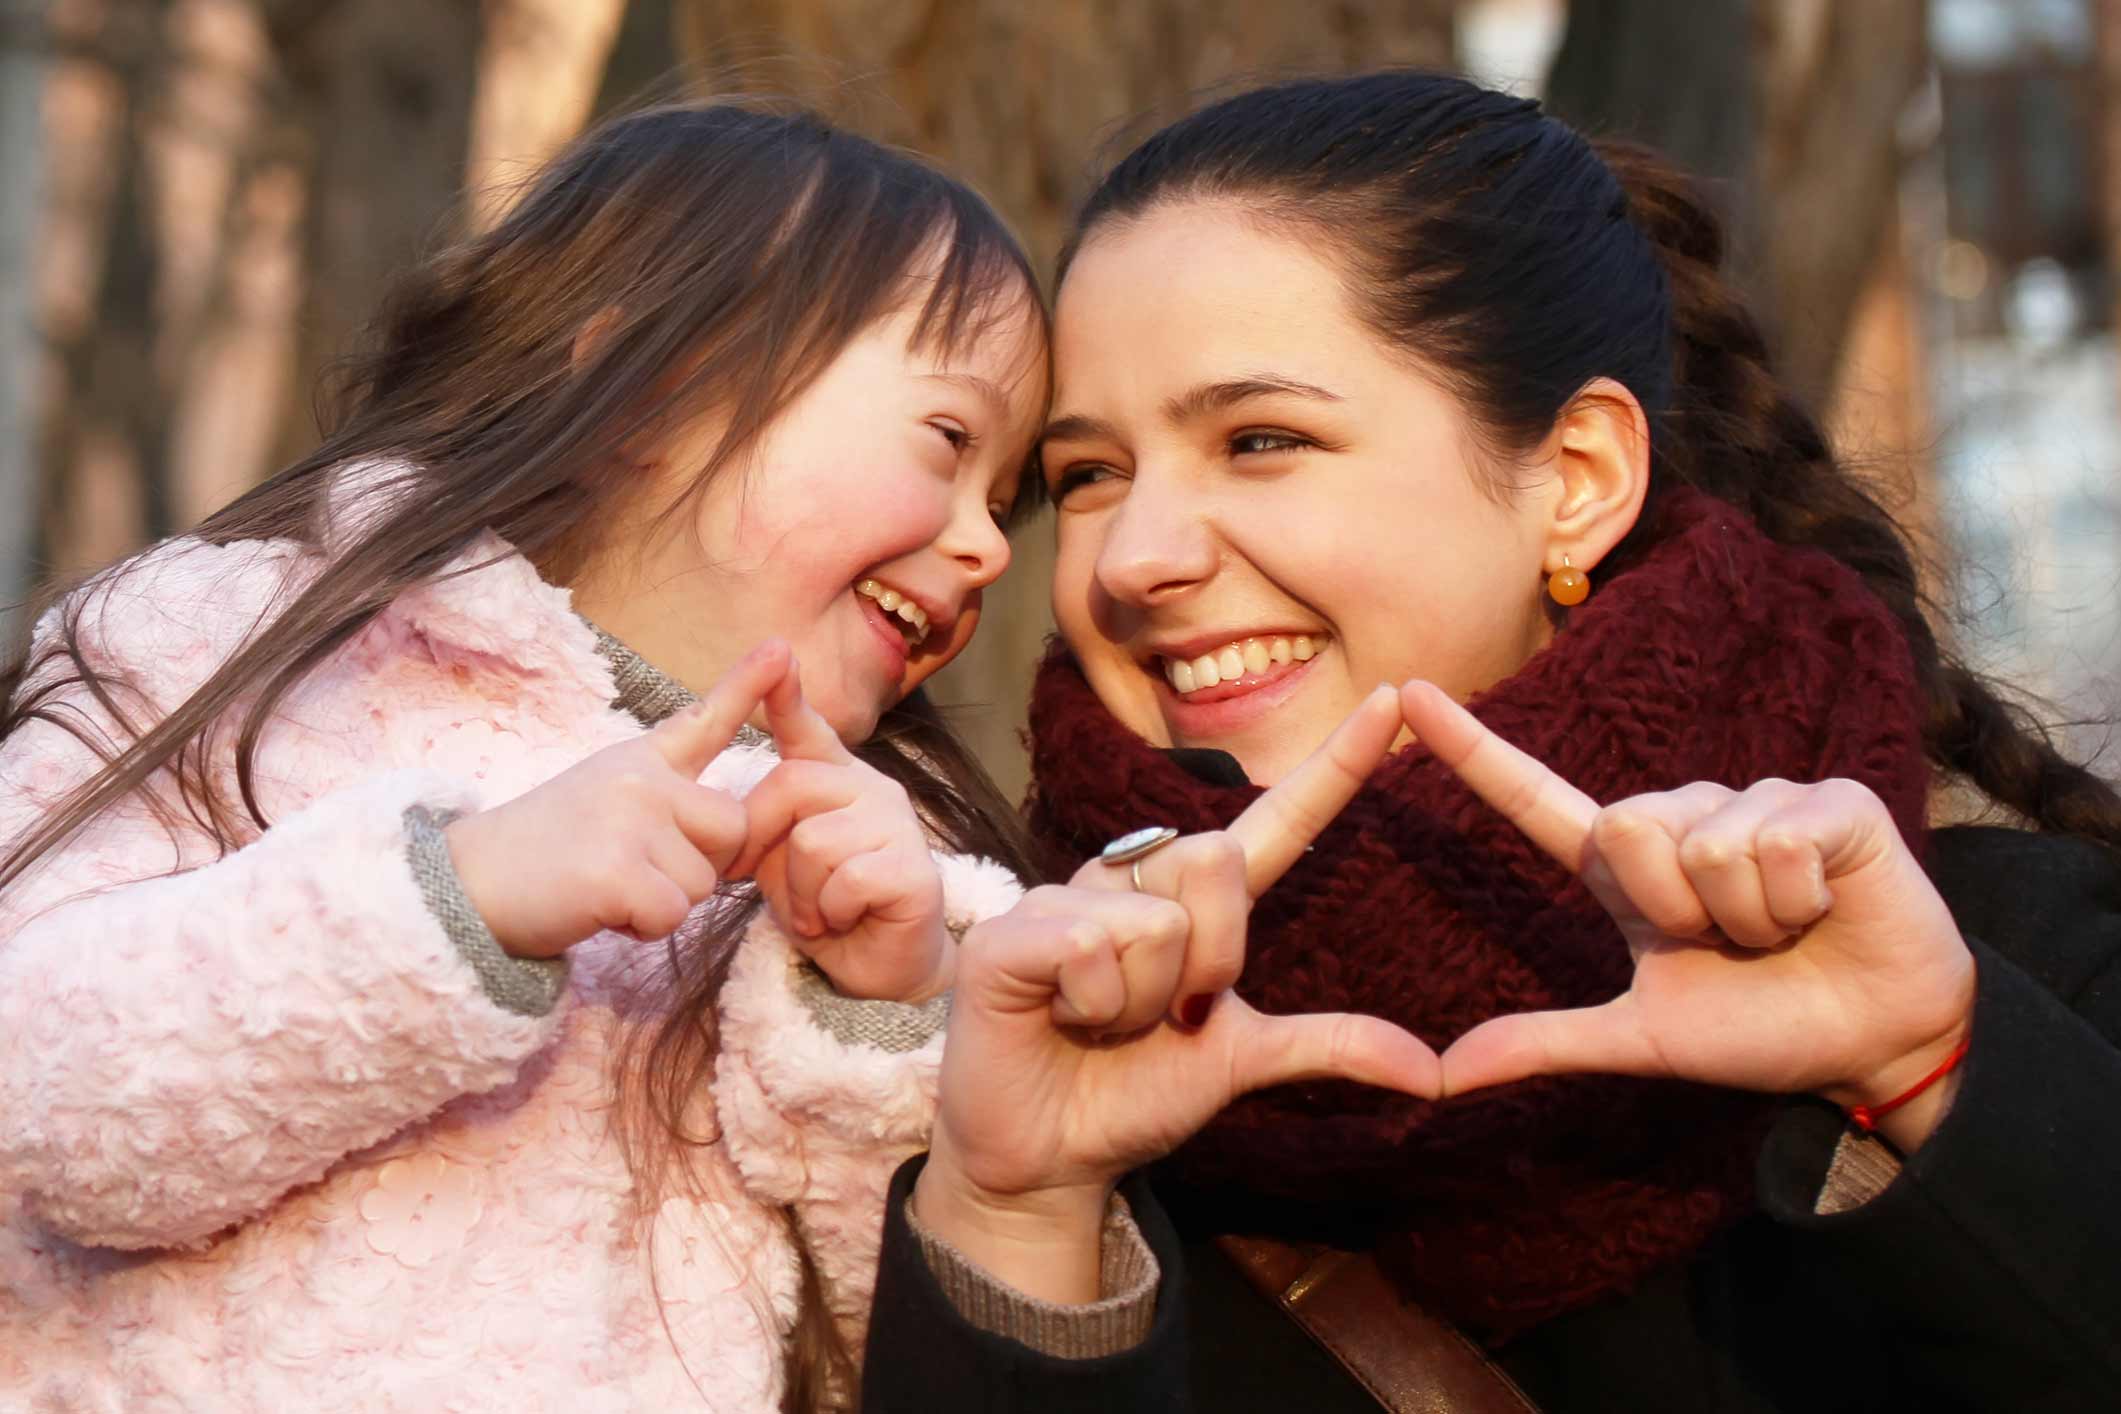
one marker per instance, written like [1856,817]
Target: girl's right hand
[1063,1068]
[627,841]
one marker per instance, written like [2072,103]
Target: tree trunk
[2106,33]
[1837,81]
[1783,106]
[382,98]
[538,77]
[22,64]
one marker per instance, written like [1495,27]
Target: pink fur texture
[265,1144]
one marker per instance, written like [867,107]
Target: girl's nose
[977,543]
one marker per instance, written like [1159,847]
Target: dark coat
[1987,1277]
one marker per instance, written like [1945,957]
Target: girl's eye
[1076,477]
[958,438]
[1259,441]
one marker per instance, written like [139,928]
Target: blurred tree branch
[1790,109]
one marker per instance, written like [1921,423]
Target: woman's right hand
[1092,1030]
[627,841]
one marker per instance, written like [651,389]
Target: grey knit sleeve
[1118,1320]
[527,986]
[892,1027]
[1864,1166]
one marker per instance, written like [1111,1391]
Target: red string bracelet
[1866,1117]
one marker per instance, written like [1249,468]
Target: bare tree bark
[22,65]
[1837,81]
[1678,75]
[538,76]
[381,96]
[1784,106]
[2106,34]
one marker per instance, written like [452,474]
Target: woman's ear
[1600,453]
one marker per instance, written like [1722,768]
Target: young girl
[337,1068]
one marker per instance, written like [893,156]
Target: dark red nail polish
[1194,1011]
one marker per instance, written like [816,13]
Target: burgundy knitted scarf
[1719,656]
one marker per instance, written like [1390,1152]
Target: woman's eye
[1076,477]
[1257,442]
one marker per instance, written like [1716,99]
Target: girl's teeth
[892,602]
[1228,664]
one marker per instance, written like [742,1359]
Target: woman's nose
[1155,546]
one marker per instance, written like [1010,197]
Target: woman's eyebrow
[1214,397]
[1078,427]
[1195,401]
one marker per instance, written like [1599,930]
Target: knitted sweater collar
[646,693]
[1720,656]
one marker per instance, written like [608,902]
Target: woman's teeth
[893,602]
[1235,660]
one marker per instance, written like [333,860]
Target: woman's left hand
[1784,937]
[840,856]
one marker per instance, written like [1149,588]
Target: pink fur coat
[265,1143]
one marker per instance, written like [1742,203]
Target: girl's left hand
[1784,937]
[843,862]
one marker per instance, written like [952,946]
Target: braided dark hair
[1519,261]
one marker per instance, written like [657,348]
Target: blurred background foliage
[203,198]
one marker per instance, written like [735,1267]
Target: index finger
[1278,827]
[1552,813]
[797,729]
[690,740]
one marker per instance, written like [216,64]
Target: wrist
[945,975]
[462,837]
[1906,1098]
[1046,1243]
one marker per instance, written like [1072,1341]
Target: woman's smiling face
[1264,510]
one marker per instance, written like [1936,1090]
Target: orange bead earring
[1569,585]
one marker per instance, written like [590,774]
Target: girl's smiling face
[1264,510]
[862,527]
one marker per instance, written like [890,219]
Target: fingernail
[1194,1011]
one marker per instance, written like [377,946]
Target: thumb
[1602,1040]
[691,739]
[1275,1050]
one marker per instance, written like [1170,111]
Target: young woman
[1757,1092]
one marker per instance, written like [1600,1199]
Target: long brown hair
[723,255]
[1518,261]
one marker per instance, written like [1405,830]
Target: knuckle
[1619,825]
[1850,795]
[1705,794]
[1779,842]
[1082,936]
[1041,900]
[1709,852]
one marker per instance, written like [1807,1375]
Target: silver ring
[1134,846]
